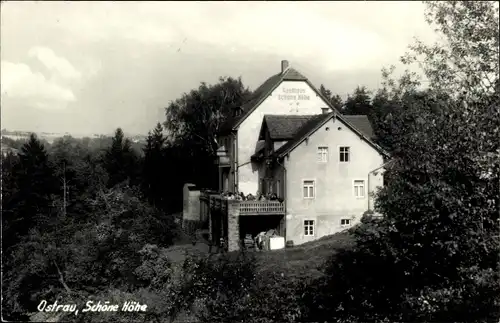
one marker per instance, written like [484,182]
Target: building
[288,142]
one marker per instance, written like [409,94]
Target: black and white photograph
[250,161]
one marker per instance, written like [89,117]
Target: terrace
[246,207]
[231,217]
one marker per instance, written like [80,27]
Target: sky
[90,67]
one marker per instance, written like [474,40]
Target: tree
[67,155]
[335,100]
[193,123]
[382,118]
[33,183]
[198,115]
[464,63]
[467,61]
[359,103]
[154,168]
[76,260]
[9,188]
[434,255]
[120,161]
[79,171]
[8,142]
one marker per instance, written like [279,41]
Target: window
[278,188]
[309,228]
[345,222]
[359,189]
[344,154]
[308,189]
[322,154]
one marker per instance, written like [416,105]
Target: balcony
[246,208]
[261,207]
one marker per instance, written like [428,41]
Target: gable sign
[293,94]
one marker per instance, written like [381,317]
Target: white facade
[290,97]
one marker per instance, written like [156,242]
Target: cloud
[340,35]
[124,60]
[59,65]
[18,81]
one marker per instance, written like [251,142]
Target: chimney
[325,110]
[284,66]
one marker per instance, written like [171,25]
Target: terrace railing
[248,207]
[261,207]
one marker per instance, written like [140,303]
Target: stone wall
[191,203]
[204,207]
[191,220]
[225,223]
[233,223]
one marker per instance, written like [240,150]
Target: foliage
[120,161]
[466,60]
[29,196]
[155,274]
[434,255]
[193,123]
[154,173]
[86,258]
[212,289]
[12,143]
[358,103]
[196,118]
[335,100]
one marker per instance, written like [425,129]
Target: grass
[300,261]
[303,260]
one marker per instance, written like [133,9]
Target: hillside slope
[304,260]
[299,261]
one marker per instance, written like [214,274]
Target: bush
[227,288]
[91,257]
[212,288]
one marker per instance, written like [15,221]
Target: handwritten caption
[91,306]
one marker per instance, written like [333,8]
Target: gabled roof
[358,124]
[318,121]
[362,123]
[309,127]
[259,150]
[283,127]
[260,94]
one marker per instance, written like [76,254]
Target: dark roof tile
[362,123]
[284,127]
[309,126]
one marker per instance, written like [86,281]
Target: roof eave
[283,78]
[280,138]
[337,114]
[249,112]
[313,130]
[363,136]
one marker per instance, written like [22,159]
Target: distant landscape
[51,136]
[13,140]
